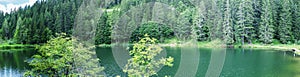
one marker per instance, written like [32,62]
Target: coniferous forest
[249,21]
[149,38]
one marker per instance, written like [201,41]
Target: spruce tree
[198,22]
[296,21]
[103,31]
[17,34]
[5,29]
[244,28]
[285,22]
[227,26]
[266,27]
[240,26]
[249,19]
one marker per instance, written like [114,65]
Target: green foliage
[201,30]
[5,29]
[235,21]
[37,23]
[266,28]
[85,60]
[154,30]
[103,34]
[184,25]
[285,22]
[228,34]
[53,59]
[244,29]
[240,28]
[17,34]
[142,63]
[296,18]
[62,56]
[275,42]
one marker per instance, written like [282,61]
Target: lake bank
[281,47]
[16,46]
[214,44]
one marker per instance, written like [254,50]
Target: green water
[237,63]
[12,61]
[233,62]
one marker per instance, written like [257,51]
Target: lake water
[208,62]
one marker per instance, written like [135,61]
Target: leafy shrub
[298,42]
[64,57]
[275,41]
[142,63]
[154,30]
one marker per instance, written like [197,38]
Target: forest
[250,21]
[60,32]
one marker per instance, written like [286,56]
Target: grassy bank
[271,46]
[218,43]
[16,46]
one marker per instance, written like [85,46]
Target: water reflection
[12,62]
[238,63]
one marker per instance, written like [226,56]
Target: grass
[285,47]
[16,46]
[173,42]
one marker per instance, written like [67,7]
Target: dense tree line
[36,24]
[234,21]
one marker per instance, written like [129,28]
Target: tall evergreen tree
[227,26]
[5,29]
[296,23]
[266,27]
[240,26]
[244,23]
[17,34]
[103,31]
[184,20]
[285,22]
[249,19]
[198,21]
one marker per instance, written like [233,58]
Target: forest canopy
[234,21]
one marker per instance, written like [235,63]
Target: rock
[295,50]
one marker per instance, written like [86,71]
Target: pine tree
[184,26]
[198,22]
[17,34]
[296,22]
[240,26]
[227,26]
[103,33]
[285,23]
[266,27]
[249,19]
[244,28]
[214,19]
[5,29]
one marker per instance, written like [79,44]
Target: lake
[204,62]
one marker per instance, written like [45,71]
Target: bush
[298,42]
[142,63]
[64,57]
[275,41]
[154,30]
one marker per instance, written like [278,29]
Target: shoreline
[16,46]
[282,47]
